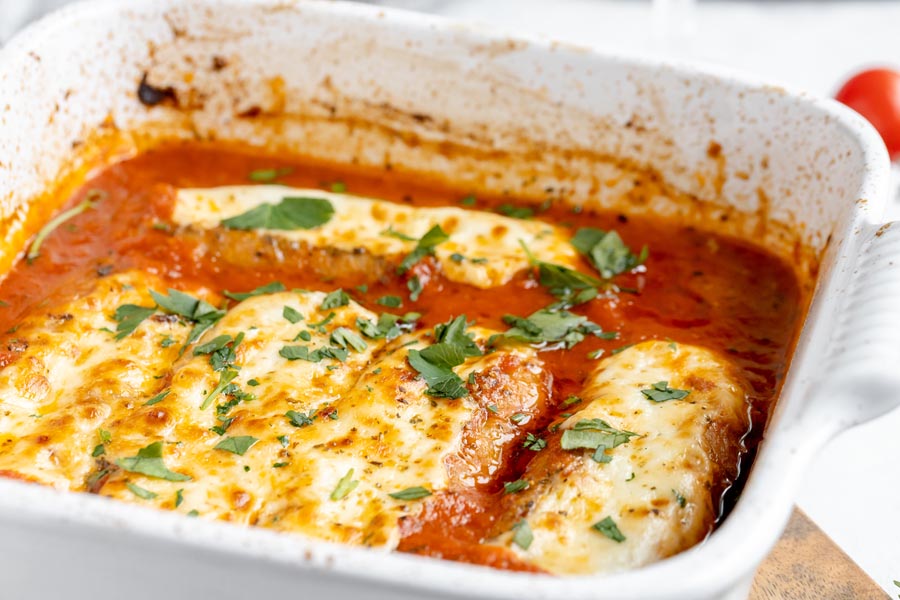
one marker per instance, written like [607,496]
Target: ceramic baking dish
[807,178]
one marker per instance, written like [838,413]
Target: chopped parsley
[99,450]
[335,299]
[597,435]
[390,301]
[346,338]
[661,392]
[436,362]
[411,493]
[140,492]
[291,315]
[388,326]
[269,175]
[573,399]
[317,355]
[534,443]
[512,487]
[179,497]
[284,441]
[391,232]
[547,326]
[157,398]
[607,252]
[290,213]
[34,250]
[609,528]
[679,498]
[516,212]
[203,314]
[424,247]
[269,288]
[345,485]
[298,419]
[149,462]
[518,418]
[414,285]
[338,187]
[128,317]
[237,444]
[522,535]
[225,379]
[468,201]
[570,286]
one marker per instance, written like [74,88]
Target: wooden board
[807,565]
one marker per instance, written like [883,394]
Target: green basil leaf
[424,247]
[522,535]
[291,315]
[237,444]
[290,213]
[149,462]
[609,528]
[346,338]
[335,299]
[128,317]
[661,392]
[269,288]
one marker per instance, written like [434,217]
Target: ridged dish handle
[861,379]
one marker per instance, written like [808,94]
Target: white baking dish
[554,112]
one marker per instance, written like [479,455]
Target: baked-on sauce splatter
[697,287]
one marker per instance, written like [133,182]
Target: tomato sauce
[697,287]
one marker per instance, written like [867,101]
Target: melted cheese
[685,450]
[494,241]
[387,430]
[74,378]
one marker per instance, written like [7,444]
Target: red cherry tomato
[875,94]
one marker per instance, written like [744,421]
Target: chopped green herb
[597,435]
[346,338]
[303,335]
[516,212]
[179,497]
[290,213]
[534,443]
[573,399]
[607,252]
[128,317]
[411,493]
[680,499]
[414,285]
[34,250]
[339,187]
[518,418]
[167,341]
[299,419]
[630,477]
[661,392]
[435,363]
[468,201]
[320,325]
[362,289]
[269,175]
[292,315]
[512,487]
[304,353]
[157,398]
[237,444]
[546,326]
[390,301]
[609,528]
[594,354]
[335,299]
[522,535]
[457,257]
[149,462]
[225,379]
[252,382]
[99,450]
[284,440]
[203,314]
[193,513]
[621,348]
[140,492]
[345,485]
[424,247]
[493,408]
[105,436]
[269,288]
[390,231]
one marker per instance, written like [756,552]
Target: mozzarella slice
[660,489]
[490,244]
[73,378]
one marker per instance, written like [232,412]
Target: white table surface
[853,489]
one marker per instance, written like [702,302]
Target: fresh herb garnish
[128,317]
[609,528]
[225,378]
[238,444]
[388,326]
[317,355]
[573,399]
[391,232]
[335,299]
[269,175]
[269,288]
[414,285]
[291,315]
[546,326]
[203,314]
[345,485]
[290,213]
[99,450]
[607,252]
[468,201]
[534,443]
[157,398]
[34,250]
[661,392]
[346,338]
[570,286]
[299,419]
[390,301]
[522,535]
[436,362]
[179,497]
[679,498]
[516,212]
[149,462]
[512,487]
[411,493]
[424,247]
[140,492]
[597,435]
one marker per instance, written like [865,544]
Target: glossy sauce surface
[695,287]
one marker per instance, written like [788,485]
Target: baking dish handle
[861,377]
